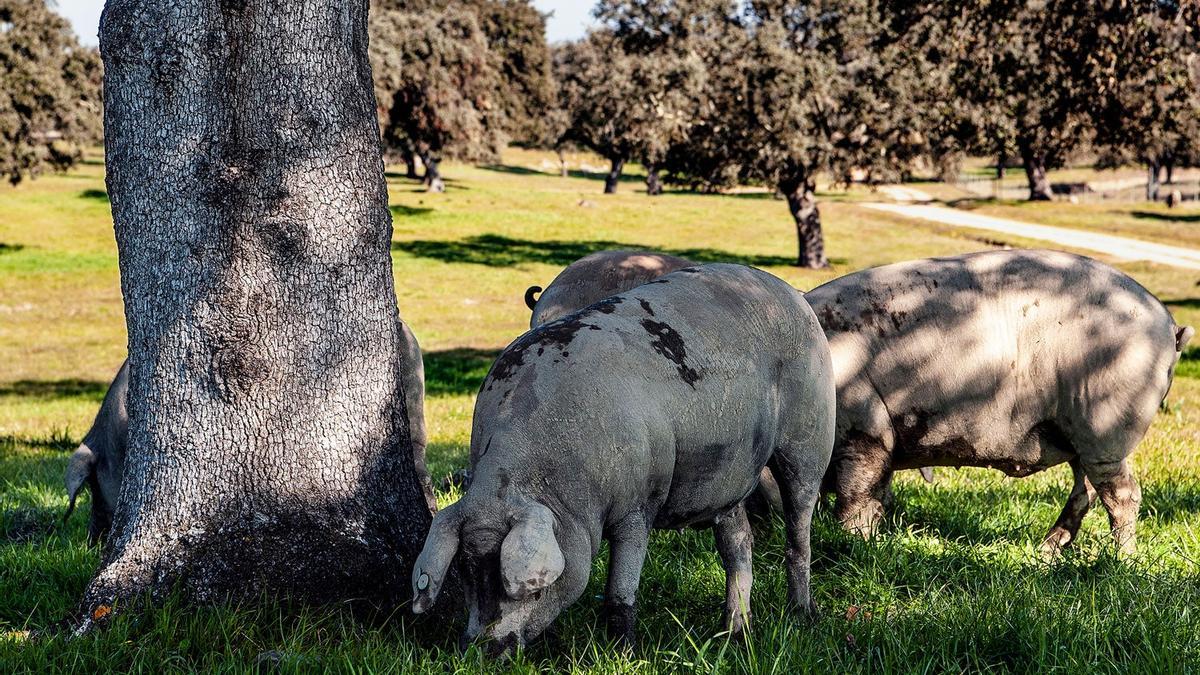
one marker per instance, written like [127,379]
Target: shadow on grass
[496,250]
[1183,303]
[70,388]
[98,195]
[58,440]
[24,524]
[454,372]
[1168,217]
[572,173]
[10,248]
[409,211]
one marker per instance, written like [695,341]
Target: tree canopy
[50,104]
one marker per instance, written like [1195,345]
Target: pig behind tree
[99,460]
[1014,360]
[595,277]
[655,408]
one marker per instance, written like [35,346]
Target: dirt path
[1118,247]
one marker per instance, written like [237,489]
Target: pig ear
[79,469]
[441,545]
[530,558]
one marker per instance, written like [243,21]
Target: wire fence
[1187,191]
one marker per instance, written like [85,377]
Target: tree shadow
[10,248]
[68,388]
[454,372]
[409,211]
[1168,217]
[56,441]
[94,194]
[572,173]
[495,250]
[1183,303]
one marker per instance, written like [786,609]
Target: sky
[569,20]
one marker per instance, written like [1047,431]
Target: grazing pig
[655,408]
[99,460]
[1014,360]
[595,277]
[606,273]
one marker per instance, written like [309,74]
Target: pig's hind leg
[799,488]
[735,543]
[627,544]
[1067,525]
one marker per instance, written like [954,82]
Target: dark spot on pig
[669,344]
[606,306]
[620,620]
[660,281]
[646,306]
[502,492]
[554,334]
[898,319]
[486,447]
[541,350]
[690,270]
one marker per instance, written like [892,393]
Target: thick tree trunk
[802,202]
[268,444]
[614,176]
[433,174]
[653,182]
[562,164]
[1001,166]
[1035,173]
[1170,167]
[1153,172]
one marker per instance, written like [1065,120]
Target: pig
[595,277]
[654,408]
[606,273]
[100,459]
[1013,360]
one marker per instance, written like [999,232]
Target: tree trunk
[802,202]
[614,176]
[562,164]
[1035,173]
[1001,166]
[268,445]
[410,163]
[1170,167]
[433,175]
[653,183]
[1152,181]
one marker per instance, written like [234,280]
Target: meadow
[953,583]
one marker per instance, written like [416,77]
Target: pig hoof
[738,625]
[620,623]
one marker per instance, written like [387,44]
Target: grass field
[952,584]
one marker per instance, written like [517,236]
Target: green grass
[952,584]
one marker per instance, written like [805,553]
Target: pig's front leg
[627,544]
[735,543]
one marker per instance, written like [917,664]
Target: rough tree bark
[614,176]
[801,196]
[653,182]
[268,444]
[1035,173]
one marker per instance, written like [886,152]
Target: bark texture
[1153,174]
[268,444]
[802,202]
[614,176]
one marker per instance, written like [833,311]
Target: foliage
[516,38]
[49,91]
[436,85]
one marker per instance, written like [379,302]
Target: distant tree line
[708,94]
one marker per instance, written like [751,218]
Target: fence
[1010,188]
